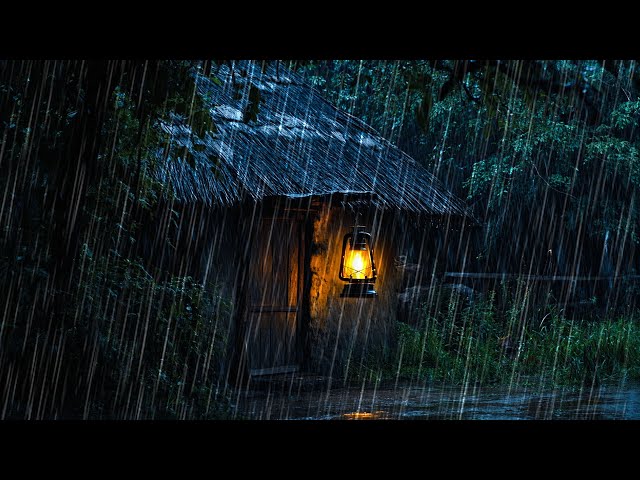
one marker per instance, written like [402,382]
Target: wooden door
[274,297]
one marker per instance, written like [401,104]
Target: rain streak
[319,240]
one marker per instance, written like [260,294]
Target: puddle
[410,402]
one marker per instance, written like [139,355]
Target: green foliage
[459,344]
[512,137]
[161,341]
[161,338]
[382,93]
[129,338]
[625,114]
[584,351]
[479,344]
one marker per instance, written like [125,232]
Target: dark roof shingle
[298,143]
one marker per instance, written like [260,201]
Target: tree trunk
[78,169]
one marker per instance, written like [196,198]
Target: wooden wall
[343,331]
[338,333]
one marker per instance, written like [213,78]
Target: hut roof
[274,135]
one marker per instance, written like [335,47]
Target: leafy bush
[161,343]
[479,344]
[584,351]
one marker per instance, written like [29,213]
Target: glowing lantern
[357,266]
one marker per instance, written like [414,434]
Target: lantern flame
[357,264]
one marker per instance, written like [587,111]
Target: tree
[79,152]
[545,151]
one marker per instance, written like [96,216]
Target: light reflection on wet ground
[610,401]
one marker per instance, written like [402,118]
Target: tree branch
[470,95]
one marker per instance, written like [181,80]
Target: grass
[478,344]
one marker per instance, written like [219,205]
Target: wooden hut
[273,185]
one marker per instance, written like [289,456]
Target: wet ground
[313,399]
